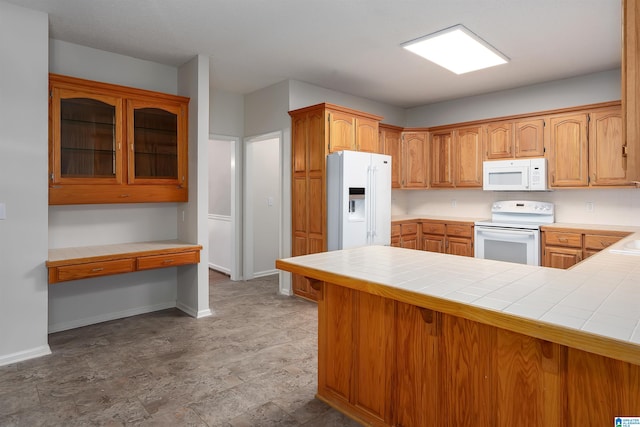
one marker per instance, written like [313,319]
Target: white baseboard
[63,326]
[220,268]
[204,313]
[265,273]
[286,292]
[21,356]
[193,312]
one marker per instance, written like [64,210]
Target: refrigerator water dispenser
[356,204]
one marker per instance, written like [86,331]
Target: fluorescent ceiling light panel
[457,49]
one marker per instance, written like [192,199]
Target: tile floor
[251,364]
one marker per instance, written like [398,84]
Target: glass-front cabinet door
[87,138]
[155,152]
[115,144]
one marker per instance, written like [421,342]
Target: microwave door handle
[525,175]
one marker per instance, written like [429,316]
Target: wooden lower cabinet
[405,235]
[559,257]
[565,247]
[389,363]
[454,238]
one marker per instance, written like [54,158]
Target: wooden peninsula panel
[447,370]
[390,356]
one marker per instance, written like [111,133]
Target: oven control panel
[523,211]
[520,206]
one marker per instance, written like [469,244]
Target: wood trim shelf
[84,262]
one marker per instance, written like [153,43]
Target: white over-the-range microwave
[515,175]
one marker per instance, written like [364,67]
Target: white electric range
[513,234]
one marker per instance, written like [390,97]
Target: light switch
[3,211]
[269,201]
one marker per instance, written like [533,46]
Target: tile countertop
[594,306]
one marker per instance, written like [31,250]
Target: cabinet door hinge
[51,176]
[51,94]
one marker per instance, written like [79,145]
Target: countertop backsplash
[583,206]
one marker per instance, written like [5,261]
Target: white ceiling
[351,46]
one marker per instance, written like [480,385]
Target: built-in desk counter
[478,342]
[84,262]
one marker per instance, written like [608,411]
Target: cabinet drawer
[91,269]
[461,230]
[168,260]
[598,241]
[395,230]
[411,228]
[573,240]
[432,228]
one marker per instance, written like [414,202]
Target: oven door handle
[500,233]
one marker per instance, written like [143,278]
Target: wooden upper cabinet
[86,135]
[342,131]
[114,144]
[456,157]
[468,164]
[607,148]
[499,141]
[315,143]
[367,135]
[153,151]
[391,145]
[568,151]
[529,138]
[441,156]
[515,139]
[349,131]
[588,149]
[299,153]
[414,154]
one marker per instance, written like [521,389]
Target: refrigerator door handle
[368,196]
[372,205]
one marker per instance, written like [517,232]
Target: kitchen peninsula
[413,338]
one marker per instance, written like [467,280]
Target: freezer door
[356,196]
[347,198]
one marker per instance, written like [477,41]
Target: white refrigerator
[358,199]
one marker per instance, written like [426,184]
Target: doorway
[224,206]
[262,205]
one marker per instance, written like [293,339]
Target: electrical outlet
[454,203]
[589,206]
